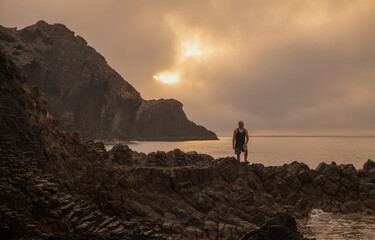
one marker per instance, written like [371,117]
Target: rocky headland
[86,94]
[55,185]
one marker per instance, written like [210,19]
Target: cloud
[281,66]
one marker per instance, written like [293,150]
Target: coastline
[54,184]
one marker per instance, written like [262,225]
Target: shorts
[239,150]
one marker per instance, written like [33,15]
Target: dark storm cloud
[279,65]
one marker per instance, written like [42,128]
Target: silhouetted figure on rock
[240,140]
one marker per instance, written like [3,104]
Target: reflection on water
[272,151]
[322,226]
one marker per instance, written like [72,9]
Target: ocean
[275,151]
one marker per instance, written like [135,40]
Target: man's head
[241,124]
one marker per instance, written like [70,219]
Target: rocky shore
[54,185]
[199,196]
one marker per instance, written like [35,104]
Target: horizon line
[307,136]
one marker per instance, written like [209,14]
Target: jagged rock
[305,176]
[86,94]
[369,165]
[204,185]
[332,172]
[121,154]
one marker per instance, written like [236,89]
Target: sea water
[275,151]
[323,225]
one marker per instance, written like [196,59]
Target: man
[238,141]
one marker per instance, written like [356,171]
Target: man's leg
[246,154]
[239,157]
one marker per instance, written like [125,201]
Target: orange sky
[284,67]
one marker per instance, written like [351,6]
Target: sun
[167,77]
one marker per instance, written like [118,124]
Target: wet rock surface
[86,94]
[55,185]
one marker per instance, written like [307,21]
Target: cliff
[86,94]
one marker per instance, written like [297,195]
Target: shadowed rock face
[86,94]
[55,185]
[40,166]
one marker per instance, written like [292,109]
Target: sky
[289,67]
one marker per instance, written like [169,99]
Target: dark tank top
[240,138]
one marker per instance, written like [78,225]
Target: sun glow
[189,51]
[167,77]
[192,49]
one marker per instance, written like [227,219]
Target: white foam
[324,225]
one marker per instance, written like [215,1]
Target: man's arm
[234,137]
[247,137]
